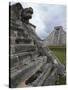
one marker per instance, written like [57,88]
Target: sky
[46,17]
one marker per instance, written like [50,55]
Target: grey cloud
[46,16]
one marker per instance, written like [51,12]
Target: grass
[60,52]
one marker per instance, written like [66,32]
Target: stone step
[51,79]
[22,28]
[16,27]
[27,61]
[19,48]
[27,45]
[39,81]
[23,41]
[17,61]
[20,40]
[24,54]
[12,37]
[29,80]
[25,73]
[34,62]
[15,22]
[20,57]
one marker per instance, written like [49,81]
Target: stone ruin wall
[30,63]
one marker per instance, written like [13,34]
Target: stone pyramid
[30,63]
[56,38]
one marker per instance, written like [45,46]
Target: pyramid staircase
[29,66]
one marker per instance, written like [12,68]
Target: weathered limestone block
[23,41]
[39,81]
[51,78]
[22,58]
[25,54]
[25,73]
[16,61]
[19,48]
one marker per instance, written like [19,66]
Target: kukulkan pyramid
[56,38]
[30,63]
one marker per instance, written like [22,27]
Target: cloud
[46,16]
